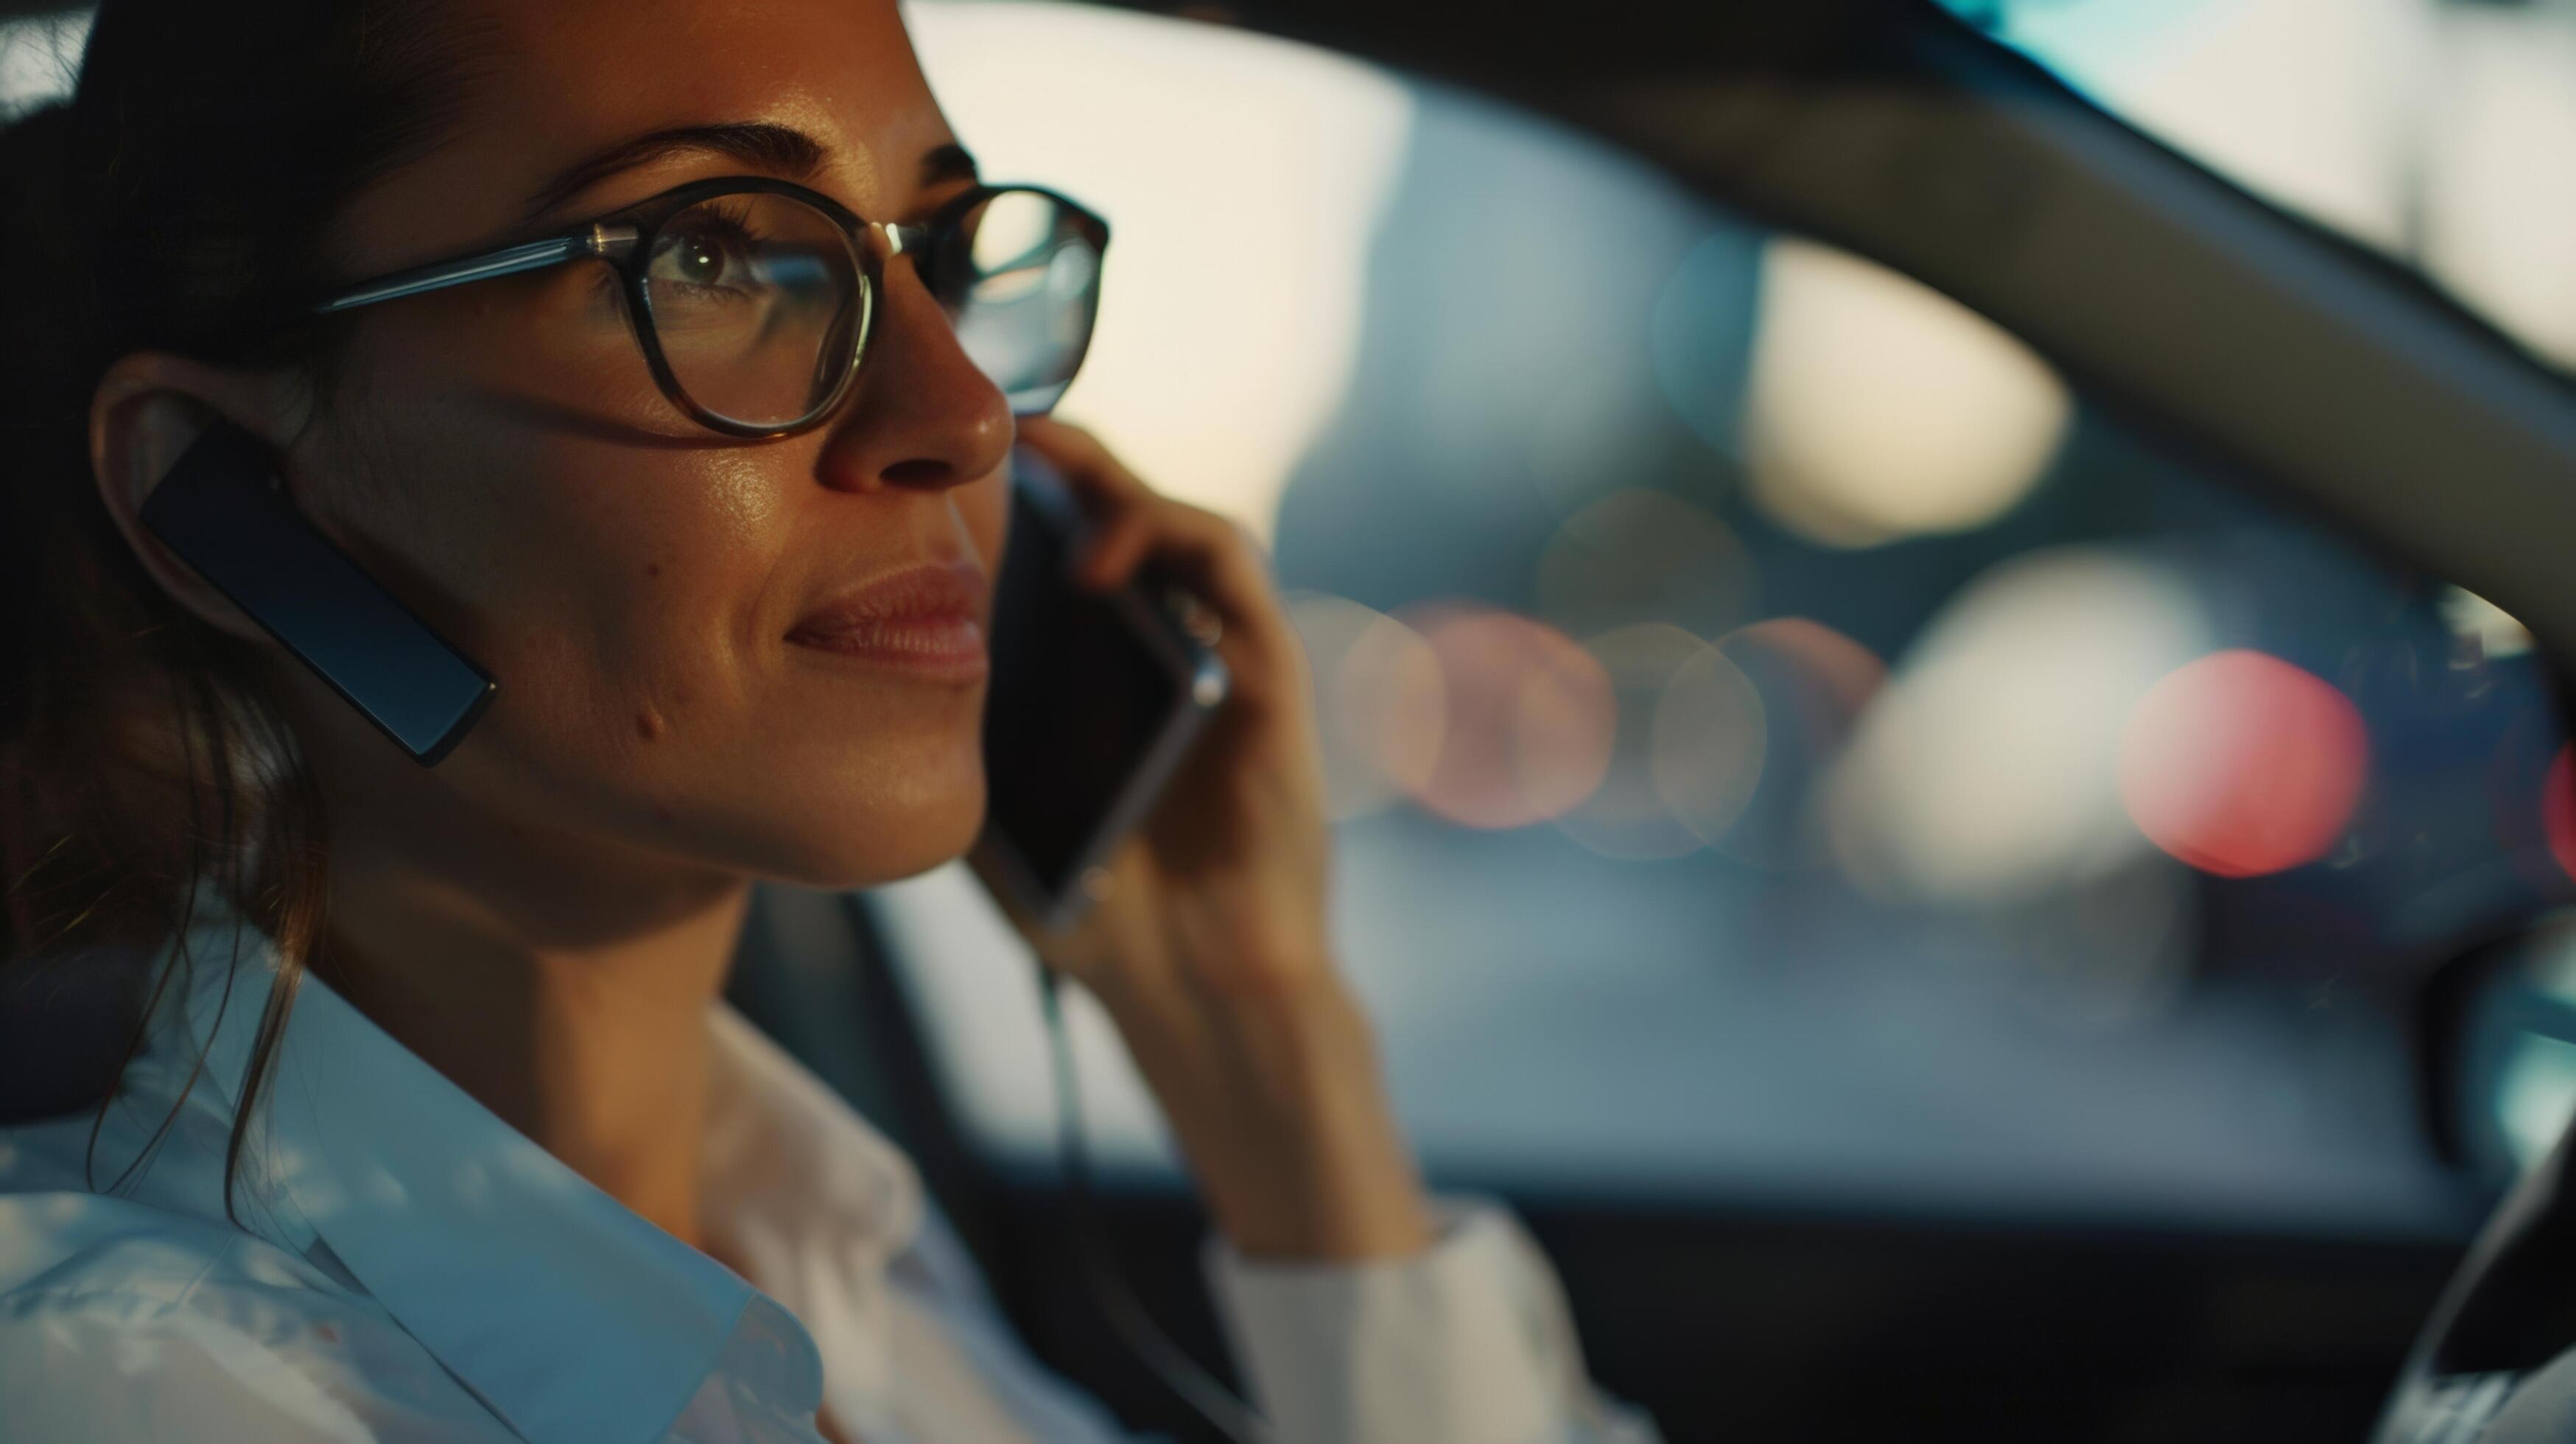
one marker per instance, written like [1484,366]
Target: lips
[927,618]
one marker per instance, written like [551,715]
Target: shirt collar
[568,1313]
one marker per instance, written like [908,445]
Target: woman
[434,1126]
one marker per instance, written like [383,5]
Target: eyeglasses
[753,299]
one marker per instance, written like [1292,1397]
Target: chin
[868,845]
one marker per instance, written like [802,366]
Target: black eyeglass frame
[624,239]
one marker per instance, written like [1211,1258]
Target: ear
[148,409]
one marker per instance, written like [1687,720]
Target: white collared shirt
[408,1267]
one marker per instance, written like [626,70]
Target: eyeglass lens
[1027,288]
[757,302]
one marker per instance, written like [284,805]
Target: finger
[1225,574]
[1130,524]
[1220,568]
[1200,546]
[1114,547]
[1129,519]
[1104,492]
[1099,481]
[1080,454]
[1210,556]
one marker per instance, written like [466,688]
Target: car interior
[1919,1069]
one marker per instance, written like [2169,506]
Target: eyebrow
[779,149]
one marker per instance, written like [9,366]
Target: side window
[1787,740]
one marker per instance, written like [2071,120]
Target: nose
[922,415]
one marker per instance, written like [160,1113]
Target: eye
[698,259]
[703,249]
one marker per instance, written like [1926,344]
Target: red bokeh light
[2558,808]
[1529,718]
[2242,764]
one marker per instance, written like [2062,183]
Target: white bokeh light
[1880,408]
[1987,773]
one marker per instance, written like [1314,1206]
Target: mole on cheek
[649,724]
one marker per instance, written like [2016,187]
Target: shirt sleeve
[1469,1342]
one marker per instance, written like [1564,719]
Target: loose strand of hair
[294,867]
[200,724]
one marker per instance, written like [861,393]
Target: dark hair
[178,201]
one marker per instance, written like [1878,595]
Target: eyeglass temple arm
[507,261]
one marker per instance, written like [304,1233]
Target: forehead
[550,84]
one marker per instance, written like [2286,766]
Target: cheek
[614,570]
[613,591]
[634,605]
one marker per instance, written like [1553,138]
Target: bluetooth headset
[224,510]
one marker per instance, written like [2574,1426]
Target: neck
[563,983]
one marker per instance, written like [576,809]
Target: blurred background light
[2499,170]
[1812,684]
[2558,809]
[1842,674]
[1987,774]
[2243,764]
[1639,556]
[2535,1095]
[1708,743]
[1380,704]
[1528,721]
[2495,630]
[1881,409]
[1686,748]
[1243,178]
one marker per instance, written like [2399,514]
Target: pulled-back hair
[177,200]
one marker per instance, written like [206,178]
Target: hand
[1222,889]
[1210,944]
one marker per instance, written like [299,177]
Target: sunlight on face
[644,589]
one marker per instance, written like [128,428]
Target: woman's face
[647,592]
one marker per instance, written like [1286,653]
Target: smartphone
[1094,699]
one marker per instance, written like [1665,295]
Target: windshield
[2440,132]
